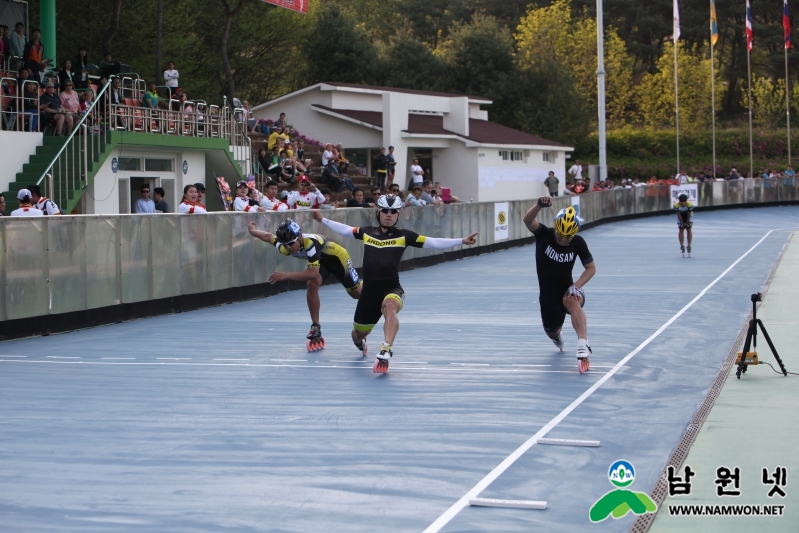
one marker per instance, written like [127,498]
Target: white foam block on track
[510,504]
[569,442]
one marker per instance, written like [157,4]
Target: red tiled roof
[480,131]
[407,91]
[374,118]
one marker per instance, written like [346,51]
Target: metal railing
[20,109]
[56,264]
[68,170]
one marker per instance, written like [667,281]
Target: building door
[135,190]
[425,156]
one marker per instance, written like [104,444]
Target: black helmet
[388,201]
[287,231]
[683,197]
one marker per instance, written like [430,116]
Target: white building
[449,133]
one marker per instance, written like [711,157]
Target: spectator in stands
[177,100]
[17,40]
[2,205]
[160,204]
[80,69]
[332,177]
[30,103]
[281,122]
[391,166]
[242,201]
[376,193]
[578,188]
[270,201]
[108,67]
[114,97]
[189,205]
[394,189]
[5,52]
[150,99]
[428,194]
[171,77]
[733,174]
[357,199]
[86,100]
[327,155]
[308,197]
[576,170]
[551,183]
[70,101]
[51,111]
[381,165]
[329,202]
[788,172]
[200,194]
[42,203]
[253,195]
[417,174]
[414,199]
[145,204]
[447,198]
[299,152]
[276,134]
[343,163]
[65,74]
[34,54]
[26,209]
[274,166]
[288,165]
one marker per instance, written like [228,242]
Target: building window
[549,157]
[510,155]
[159,165]
[130,163]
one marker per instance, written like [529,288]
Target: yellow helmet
[566,222]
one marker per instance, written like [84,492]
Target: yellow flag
[714,29]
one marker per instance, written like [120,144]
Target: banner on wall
[500,221]
[691,189]
[300,6]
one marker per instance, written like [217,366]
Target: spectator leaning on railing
[414,199]
[189,204]
[26,209]
[428,193]
[270,201]
[242,201]
[358,201]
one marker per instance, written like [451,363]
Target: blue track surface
[219,420]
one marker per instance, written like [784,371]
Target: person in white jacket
[190,205]
[26,209]
[242,201]
[171,77]
[270,201]
[308,197]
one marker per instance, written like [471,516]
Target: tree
[334,49]
[113,27]
[408,63]
[768,102]
[230,13]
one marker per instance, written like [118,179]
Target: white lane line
[475,491]
[230,359]
[530,365]
[173,358]
[62,357]
[117,358]
[291,360]
[470,364]
[14,356]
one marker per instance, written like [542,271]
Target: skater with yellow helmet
[556,249]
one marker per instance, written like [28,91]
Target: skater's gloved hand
[575,292]
[545,201]
[470,239]
[277,277]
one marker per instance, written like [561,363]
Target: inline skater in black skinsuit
[555,252]
[685,221]
[382,294]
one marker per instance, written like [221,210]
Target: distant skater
[685,221]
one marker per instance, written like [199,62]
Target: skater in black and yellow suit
[324,258]
[685,221]
[382,293]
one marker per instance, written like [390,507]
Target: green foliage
[768,102]
[407,62]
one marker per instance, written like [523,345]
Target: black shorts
[370,304]
[553,312]
[347,275]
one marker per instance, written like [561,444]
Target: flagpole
[713,105]
[677,107]
[788,105]
[749,79]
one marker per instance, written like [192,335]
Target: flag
[676,22]
[714,29]
[748,26]
[300,6]
[786,25]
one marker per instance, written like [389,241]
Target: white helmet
[388,201]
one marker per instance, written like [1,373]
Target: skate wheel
[381,367]
[309,346]
[583,365]
[322,344]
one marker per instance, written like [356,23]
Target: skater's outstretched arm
[443,244]
[337,227]
[306,275]
[258,234]
[530,217]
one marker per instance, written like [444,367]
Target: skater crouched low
[556,249]
[685,221]
[324,258]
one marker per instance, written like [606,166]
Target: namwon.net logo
[617,503]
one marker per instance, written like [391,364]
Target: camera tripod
[751,340]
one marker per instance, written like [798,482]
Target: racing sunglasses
[290,243]
[389,211]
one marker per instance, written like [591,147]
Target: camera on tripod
[757,297]
[747,357]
